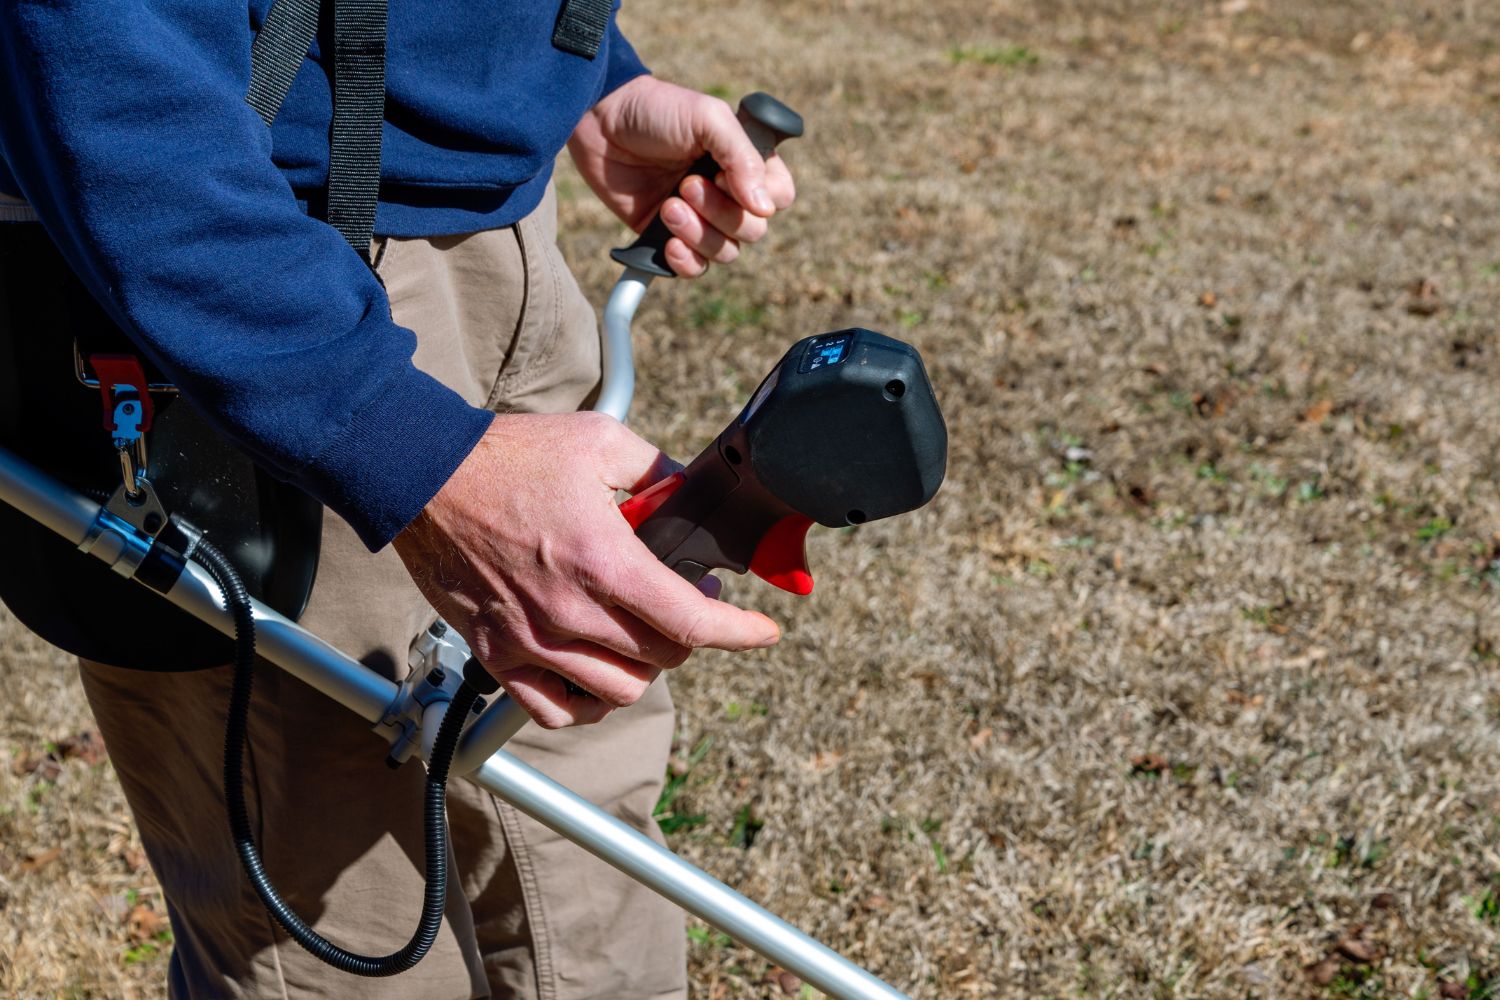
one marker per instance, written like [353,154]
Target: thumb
[723,137]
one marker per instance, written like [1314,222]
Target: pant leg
[500,319]
[554,922]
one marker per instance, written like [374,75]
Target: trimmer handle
[766,121]
[845,429]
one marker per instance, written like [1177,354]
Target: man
[124,126]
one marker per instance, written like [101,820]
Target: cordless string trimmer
[845,429]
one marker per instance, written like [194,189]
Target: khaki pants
[498,317]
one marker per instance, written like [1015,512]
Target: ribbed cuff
[395,454]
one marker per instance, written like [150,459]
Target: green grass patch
[1007,56]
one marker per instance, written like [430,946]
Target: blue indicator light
[831,349]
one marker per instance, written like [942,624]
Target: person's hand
[635,145]
[524,551]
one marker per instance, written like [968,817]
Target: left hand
[634,146]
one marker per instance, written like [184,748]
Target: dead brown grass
[1186,684]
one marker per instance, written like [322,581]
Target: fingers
[615,630]
[546,698]
[722,135]
[678,610]
[779,183]
[684,260]
[714,209]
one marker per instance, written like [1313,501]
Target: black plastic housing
[839,443]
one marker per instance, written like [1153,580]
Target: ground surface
[1187,683]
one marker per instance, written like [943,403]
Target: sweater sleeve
[126,127]
[624,65]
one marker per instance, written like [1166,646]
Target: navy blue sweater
[124,124]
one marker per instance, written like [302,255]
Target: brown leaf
[1383,901]
[1422,298]
[785,981]
[134,858]
[1148,763]
[1318,412]
[1208,300]
[87,746]
[1323,972]
[877,902]
[979,739]
[1358,950]
[143,923]
[37,860]
[1449,990]
[823,760]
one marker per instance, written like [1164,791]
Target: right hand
[524,551]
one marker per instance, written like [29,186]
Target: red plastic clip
[781,557]
[645,503]
[122,369]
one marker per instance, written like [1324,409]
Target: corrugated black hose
[237,603]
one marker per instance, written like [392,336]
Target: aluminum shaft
[349,682]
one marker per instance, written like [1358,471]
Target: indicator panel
[829,349]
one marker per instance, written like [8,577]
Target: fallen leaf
[37,860]
[1422,298]
[1318,412]
[1358,950]
[877,902]
[1449,990]
[1148,763]
[87,746]
[785,981]
[143,923]
[1383,901]
[823,760]
[1323,972]
[1208,300]
[979,739]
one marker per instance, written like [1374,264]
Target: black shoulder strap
[276,55]
[581,25]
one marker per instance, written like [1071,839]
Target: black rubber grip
[766,121]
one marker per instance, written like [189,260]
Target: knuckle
[717,107]
[696,632]
[598,425]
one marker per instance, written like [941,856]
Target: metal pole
[618,361]
[344,679]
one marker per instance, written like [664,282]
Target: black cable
[237,603]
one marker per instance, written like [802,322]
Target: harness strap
[581,25]
[358,117]
[276,55]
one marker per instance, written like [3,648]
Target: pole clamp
[128,412]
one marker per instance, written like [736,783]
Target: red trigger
[781,557]
[644,503]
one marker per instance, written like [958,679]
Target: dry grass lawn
[1188,683]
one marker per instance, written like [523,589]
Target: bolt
[438,629]
[436,676]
